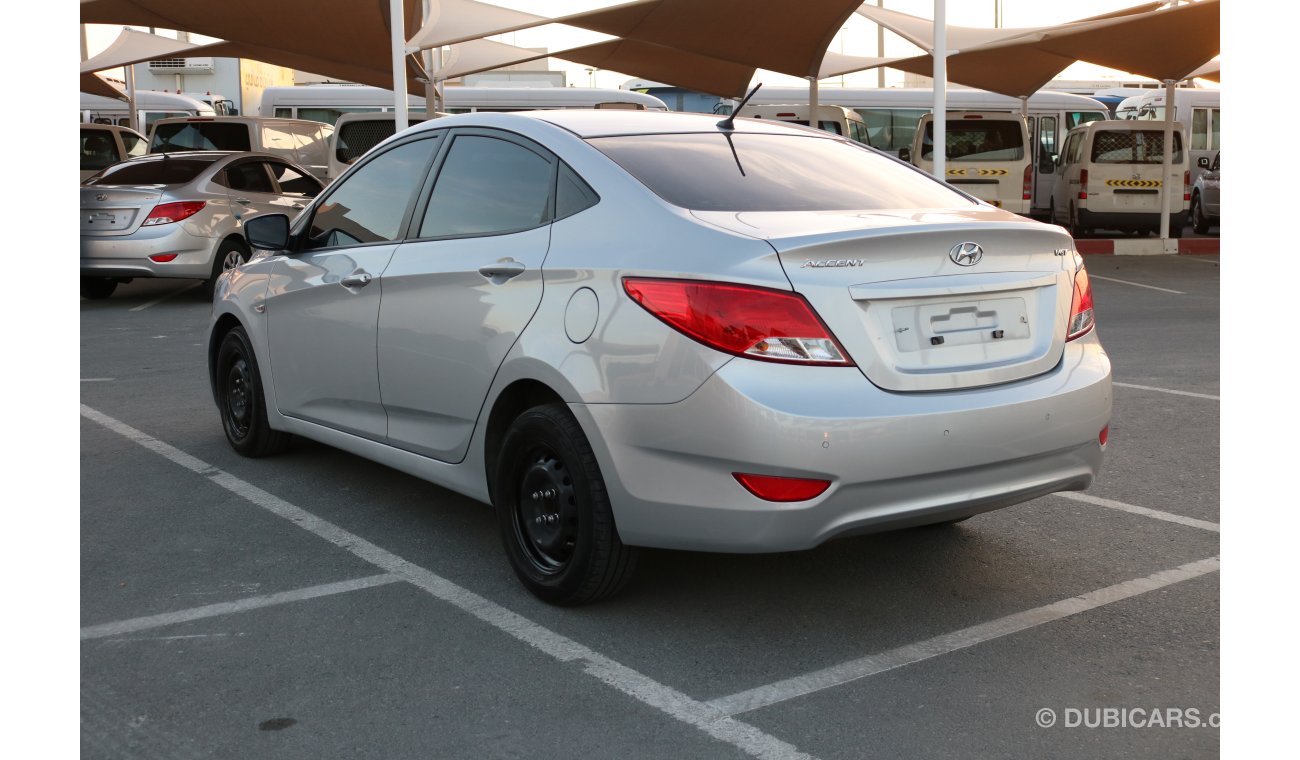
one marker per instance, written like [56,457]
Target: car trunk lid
[116,210]
[890,287]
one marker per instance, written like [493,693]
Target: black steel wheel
[553,511]
[241,401]
[1200,222]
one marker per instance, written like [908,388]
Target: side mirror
[269,232]
[1203,162]
[905,154]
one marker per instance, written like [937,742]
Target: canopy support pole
[813,121]
[1024,106]
[430,84]
[880,49]
[940,124]
[134,121]
[1167,187]
[396,12]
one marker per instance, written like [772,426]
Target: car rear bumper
[893,459]
[1129,220]
[128,255]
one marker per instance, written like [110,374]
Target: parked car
[1108,176]
[1205,198]
[103,145]
[356,133]
[180,214]
[630,329]
[300,141]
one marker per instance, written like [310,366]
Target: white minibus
[150,106]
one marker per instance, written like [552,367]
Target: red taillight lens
[770,488]
[163,258]
[1081,315]
[167,213]
[1104,435]
[1027,189]
[1187,186]
[1083,185]
[757,323]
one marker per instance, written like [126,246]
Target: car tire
[241,401]
[1076,229]
[97,288]
[1200,223]
[1051,212]
[554,513]
[1175,230]
[230,254]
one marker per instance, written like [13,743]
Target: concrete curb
[1149,247]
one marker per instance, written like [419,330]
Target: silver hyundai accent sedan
[628,329]
[179,214]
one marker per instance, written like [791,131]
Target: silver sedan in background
[180,214]
[1205,199]
[630,329]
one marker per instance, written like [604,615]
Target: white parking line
[1152,513]
[836,675]
[640,687]
[1135,284]
[1166,390]
[226,608]
[160,299]
[97,379]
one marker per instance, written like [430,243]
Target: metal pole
[1167,187]
[940,54]
[134,121]
[396,13]
[84,55]
[430,86]
[813,121]
[880,48]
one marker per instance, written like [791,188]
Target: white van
[303,142]
[987,156]
[150,106]
[1199,110]
[356,133]
[1108,176]
[837,120]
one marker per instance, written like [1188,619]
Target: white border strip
[1152,513]
[836,675]
[1166,390]
[640,687]
[135,625]
[1092,276]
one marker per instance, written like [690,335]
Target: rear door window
[977,140]
[250,177]
[199,135]
[488,185]
[1144,146]
[294,182]
[97,149]
[357,137]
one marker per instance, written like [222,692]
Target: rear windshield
[1134,147]
[765,172]
[357,137]
[169,171]
[199,135]
[978,140]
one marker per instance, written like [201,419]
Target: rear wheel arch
[514,400]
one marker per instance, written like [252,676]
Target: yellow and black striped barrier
[1132,183]
[977,172]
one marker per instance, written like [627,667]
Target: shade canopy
[95,85]
[132,46]
[1168,43]
[454,21]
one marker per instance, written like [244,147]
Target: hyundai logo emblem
[966,254]
[101,197]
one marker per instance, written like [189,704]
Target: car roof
[589,122]
[209,155]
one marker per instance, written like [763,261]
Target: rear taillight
[1083,185]
[1187,186]
[771,488]
[1027,189]
[757,323]
[1081,316]
[1104,435]
[167,213]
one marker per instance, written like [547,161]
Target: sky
[857,37]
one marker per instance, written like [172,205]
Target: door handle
[502,270]
[356,280]
[243,201]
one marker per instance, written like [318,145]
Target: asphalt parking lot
[317,605]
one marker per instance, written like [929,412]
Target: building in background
[237,81]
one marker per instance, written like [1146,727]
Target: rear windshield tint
[199,135]
[1144,146]
[977,140]
[765,172]
[170,171]
[355,138]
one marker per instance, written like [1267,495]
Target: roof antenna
[729,123]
